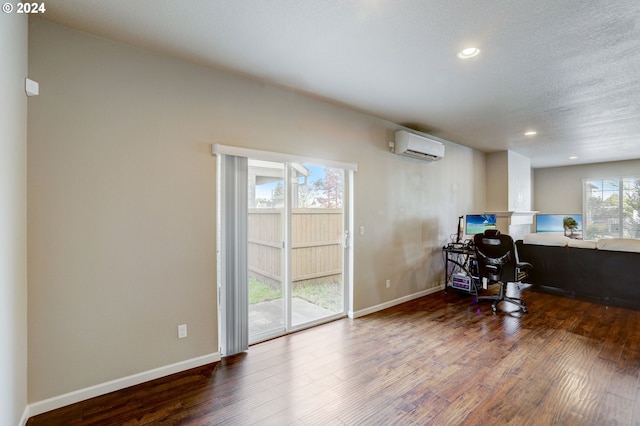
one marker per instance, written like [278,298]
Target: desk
[459,259]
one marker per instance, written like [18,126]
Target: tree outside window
[612,208]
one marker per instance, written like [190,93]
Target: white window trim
[217,148]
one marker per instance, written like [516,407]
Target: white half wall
[519,179]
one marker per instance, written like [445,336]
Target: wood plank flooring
[436,360]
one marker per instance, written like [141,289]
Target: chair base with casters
[498,262]
[502,297]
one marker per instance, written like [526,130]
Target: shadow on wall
[413,261]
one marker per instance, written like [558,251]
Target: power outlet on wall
[182,331]
[388,283]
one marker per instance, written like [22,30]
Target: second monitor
[478,223]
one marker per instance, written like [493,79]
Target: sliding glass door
[284,252]
[296,234]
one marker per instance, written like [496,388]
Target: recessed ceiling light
[530,133]
[573,157]
[469,52]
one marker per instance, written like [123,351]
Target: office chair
[498,262]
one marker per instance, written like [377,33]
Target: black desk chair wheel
[498,263]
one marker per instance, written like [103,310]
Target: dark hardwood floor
[436,360]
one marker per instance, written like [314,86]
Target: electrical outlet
[182,331]
[388,283]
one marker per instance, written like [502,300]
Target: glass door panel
[317,234]
[265,252]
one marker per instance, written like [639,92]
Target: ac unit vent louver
[417,146]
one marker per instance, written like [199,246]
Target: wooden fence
[316,238]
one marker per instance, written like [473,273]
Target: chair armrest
[523,265]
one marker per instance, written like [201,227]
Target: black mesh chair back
[493,252]
[498,263]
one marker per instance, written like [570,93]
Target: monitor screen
[567,224]
[459,232]
[477,223]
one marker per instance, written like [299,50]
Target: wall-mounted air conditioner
[416,146]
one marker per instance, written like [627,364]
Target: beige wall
[498,181]
[13,218]
[409,210]
[559,189]
[122,202]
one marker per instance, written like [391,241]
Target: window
[611,208]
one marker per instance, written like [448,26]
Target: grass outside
[260,291]
[325,294]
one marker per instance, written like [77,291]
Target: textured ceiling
[569,69]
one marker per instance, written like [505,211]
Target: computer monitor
[567,224]
[478,223]
[460,231]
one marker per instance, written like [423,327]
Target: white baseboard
[145,376]
[394,302]
[25,416]
[114,385]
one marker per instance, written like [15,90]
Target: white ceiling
[569,69]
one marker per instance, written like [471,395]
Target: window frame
[620,225]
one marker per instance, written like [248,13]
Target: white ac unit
[417,146]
